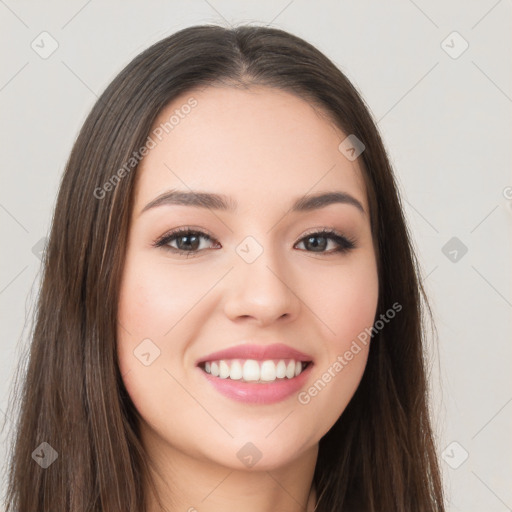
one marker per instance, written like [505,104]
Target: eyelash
[345,244]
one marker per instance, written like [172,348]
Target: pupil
[316,245]
[189,240]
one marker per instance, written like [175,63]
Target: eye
[183,241]
[187,241]
[318,241]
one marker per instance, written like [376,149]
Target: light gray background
[446,122]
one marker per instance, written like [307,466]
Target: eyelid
[184,229]
[321,229]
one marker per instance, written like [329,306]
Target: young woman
[230,316]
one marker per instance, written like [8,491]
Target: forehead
[258,144]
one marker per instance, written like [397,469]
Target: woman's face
[252,272]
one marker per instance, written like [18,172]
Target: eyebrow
[225,203]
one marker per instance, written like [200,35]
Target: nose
[262,291]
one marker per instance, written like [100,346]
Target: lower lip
[255,393]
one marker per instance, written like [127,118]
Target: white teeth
[290,370]
[281,370]
[250,370]
[223,370]
[236,372]
[268,371]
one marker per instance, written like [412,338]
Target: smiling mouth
[253,371]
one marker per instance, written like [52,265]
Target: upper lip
[258,352]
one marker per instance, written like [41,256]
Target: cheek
[154,296]
[152,301]
[348,302]
[148,309]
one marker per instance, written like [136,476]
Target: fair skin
[263,148]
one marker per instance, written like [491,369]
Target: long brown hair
[379,455]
